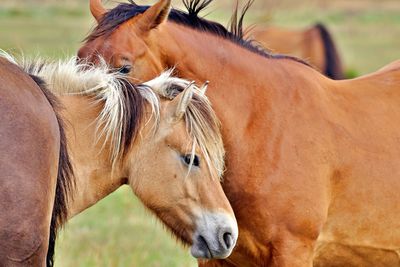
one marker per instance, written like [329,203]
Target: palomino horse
[314,44]
[169,152]
[312,163]
[34,165]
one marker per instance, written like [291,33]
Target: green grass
[118,231]
[49,31]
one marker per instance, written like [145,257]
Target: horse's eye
[188,158]
[125,69]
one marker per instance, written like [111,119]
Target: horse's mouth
[209,254]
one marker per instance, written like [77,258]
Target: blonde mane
[201,120]
[119,97]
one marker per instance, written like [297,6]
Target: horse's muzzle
[215,236]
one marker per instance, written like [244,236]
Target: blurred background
[118,231]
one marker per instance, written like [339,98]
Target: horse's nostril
[228,240]
[215,236]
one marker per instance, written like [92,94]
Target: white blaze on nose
[215,236]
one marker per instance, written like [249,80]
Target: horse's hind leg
[29,154]
[28,173]
[24,241]
[27,256]
[24,221]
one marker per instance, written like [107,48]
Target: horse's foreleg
[292,251]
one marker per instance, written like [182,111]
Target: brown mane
[125,11]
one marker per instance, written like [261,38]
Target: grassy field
[118,231]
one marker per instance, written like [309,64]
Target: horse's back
[383,83]
[29,146]
[363,224]
[394,66]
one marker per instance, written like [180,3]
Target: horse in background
[312,163]
[168,150]
[34,166]
[314,45]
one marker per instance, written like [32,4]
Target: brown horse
[34,165]
[169,152]
[314,44]
[312,163]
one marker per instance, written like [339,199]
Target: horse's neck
[92,166]
[245,80]
[201,55]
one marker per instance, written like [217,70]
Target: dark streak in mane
[124,12]
[65,176]
[236,24]
[134,108]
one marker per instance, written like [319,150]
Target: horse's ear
[97,9]
[181,102]
[155,15]
[203,88]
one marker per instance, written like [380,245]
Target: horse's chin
[201,251]
[181,232]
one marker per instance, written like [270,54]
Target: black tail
[64,186]
[65,177]
[333,64]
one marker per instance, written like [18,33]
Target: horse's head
[175,167]
[168,149]
[130,45]
[175,170]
